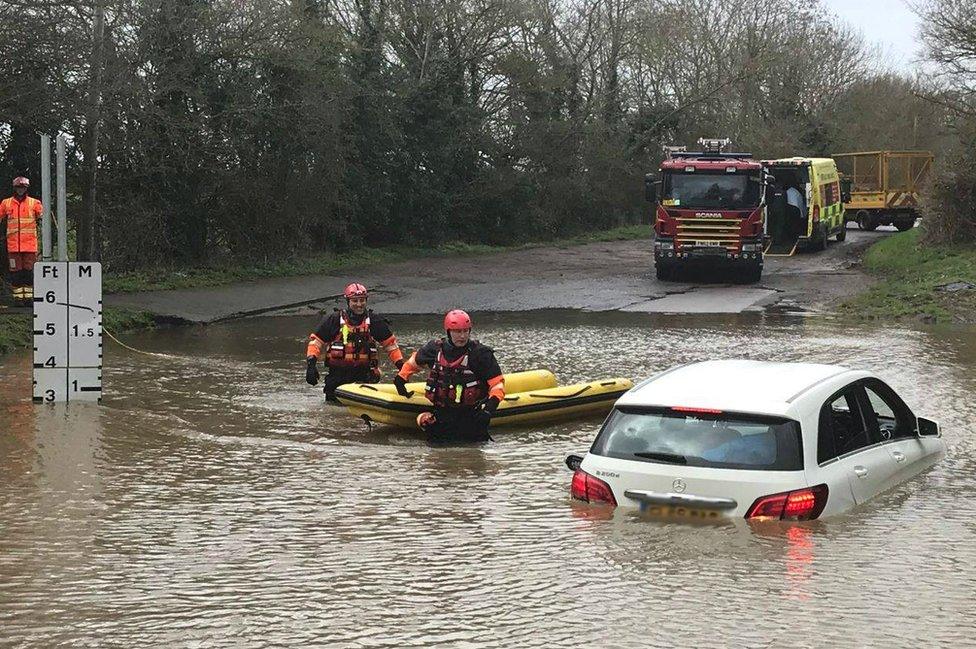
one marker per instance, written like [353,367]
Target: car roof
[759,387]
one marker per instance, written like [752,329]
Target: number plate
[679,511]
[712,250]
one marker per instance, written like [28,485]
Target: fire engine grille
[709,232]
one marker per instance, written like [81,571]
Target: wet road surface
[215,500]
[607,276]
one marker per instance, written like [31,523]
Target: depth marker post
[67,309]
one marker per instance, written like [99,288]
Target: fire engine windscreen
[710,191]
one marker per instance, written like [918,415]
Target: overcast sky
[889,23]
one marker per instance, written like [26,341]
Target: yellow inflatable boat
[531,397]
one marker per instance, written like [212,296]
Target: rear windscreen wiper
[663,457]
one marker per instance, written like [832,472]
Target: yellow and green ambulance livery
[804,205]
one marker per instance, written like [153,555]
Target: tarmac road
[611,276]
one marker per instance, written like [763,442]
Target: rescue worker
[347,340]
[464,384]
[22,214]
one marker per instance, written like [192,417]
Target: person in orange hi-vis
[21,214]
[348,341]
[464,384]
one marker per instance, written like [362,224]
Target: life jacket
[353,346]
[452,384]
[21,223]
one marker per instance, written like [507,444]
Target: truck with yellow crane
[882,187]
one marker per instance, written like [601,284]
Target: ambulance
[804,207]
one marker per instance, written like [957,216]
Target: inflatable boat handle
[562,396]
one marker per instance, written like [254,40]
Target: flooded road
[215,500]
[595,277]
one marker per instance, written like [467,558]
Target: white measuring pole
[62,212]
[67,309]
[46,197]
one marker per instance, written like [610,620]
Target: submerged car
[755,440]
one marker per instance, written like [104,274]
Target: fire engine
[709,209]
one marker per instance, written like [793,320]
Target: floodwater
[214,499]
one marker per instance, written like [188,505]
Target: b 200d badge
[679,486]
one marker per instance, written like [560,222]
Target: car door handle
[898,455]
[860,472]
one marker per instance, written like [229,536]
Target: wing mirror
[573,462]
[650,189]
[925,428]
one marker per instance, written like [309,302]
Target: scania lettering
[709,209]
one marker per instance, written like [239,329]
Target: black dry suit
[457,386]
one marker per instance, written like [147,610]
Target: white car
[755,440]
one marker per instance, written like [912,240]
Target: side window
[893,419]
[842,425]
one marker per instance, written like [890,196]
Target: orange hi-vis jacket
[22,216]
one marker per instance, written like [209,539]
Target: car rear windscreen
[717,440]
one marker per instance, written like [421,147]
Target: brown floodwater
[214,499]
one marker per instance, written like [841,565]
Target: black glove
[399,364]
[490,405]
[311,372]
[401,387]
[482,415]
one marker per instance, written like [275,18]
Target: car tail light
[799,505]
[592,490]
[696,411]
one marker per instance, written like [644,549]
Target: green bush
[949,204]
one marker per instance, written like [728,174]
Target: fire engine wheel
[750,275]
[843,232]
[865,221]
[904,226]
[663,273]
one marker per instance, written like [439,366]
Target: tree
[949,204]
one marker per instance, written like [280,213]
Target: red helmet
[355,290]
[457,319]
[20,181]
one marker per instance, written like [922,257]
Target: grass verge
[200,277]
[910,275]
[15,332]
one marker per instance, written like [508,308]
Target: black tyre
[820,243]
[842,235]
[904,226]
[750,275]
[865,221]
[663,273]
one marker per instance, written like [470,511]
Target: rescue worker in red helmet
[348,341]
[21,213]
[464,384]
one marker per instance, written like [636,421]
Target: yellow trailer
[882,187]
